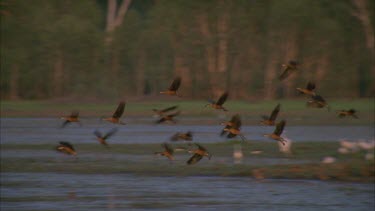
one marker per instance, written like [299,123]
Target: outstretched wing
[285,74]
[200,147]
[168,148]
[231,135]
[120,110]
[110,133]
[310,86]
[163,119]
[264,117]
[318,98]
[189,134]
[289,68]
[175,137]
[65,123]
[175,84]
[275,112]
[169,109]
[236,120]
[222,98]
[67,144]
[280,127]
[194,159]
[174,114]
[98,134]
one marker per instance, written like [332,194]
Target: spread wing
[67,144]
[194,159]
[169,109]
[310,86]
[174,114]
[223,132]
[120,110]
[175,84]
[175,137]
[289,68]
[264,117]
[275,112]
[236,121]
[189,134]
[97,133]
[279,128]
[65,123]
[318,98]
[200,147]
[110,133]
[222,98]
[168,148]
[163,119]
[285,74]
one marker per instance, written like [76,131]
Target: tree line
[115,48]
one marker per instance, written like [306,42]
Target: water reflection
[43,191]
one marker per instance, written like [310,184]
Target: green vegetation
[303,163]
[294,111]
[84,50]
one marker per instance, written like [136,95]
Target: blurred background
[102,50]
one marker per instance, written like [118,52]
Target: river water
[124,191]
[45,130]
[52,191]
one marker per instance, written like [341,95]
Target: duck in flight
[198,154]
[115,118]
[317,101]
[168,151]
[219,103]
[188,136]
[289,68]
[309,90]
[345,113]
[172,90]
[233,128]
[161,112]
[73,117]
[168,118]
[66,147]
[102,138]
[276,135]
[270,120]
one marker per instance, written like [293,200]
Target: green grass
[93,158]
[303,150]
[294,111]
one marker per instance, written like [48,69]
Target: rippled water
[45,130]
[52,191]
[120,191]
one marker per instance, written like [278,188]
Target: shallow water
[47,130]
[124,191]
[53,191]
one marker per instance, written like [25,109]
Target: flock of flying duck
[232,128]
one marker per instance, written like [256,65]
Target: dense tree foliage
[112,49]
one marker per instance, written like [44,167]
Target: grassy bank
[303,163]
[294,111]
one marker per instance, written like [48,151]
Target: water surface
[47,130]
[53,191]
